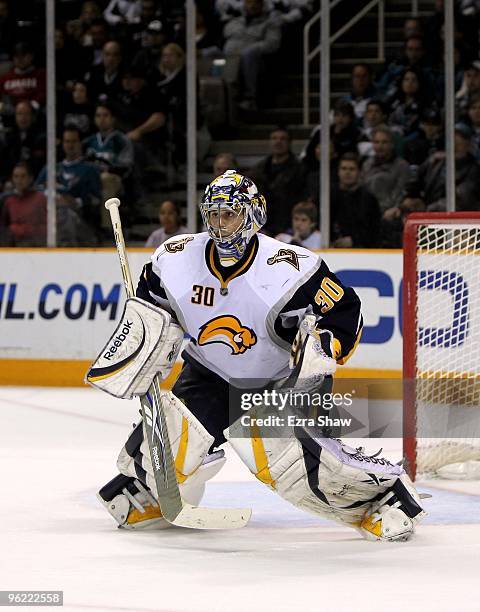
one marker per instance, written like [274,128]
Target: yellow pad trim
[109,375]
[182,452]
[375,528]
[151,512]
[261,461]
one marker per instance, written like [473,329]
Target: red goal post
[441,328]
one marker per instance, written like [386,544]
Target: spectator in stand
[104,82]
[465,36]
[172,87]
[172,81]
[79,28]
[459,68]
[413,56]
[24,82]
[26,142]
[78,184]
[311,167]
[433,28]
[142,114]
[473,121]
[66,70]
[112,153]
[224,162]
[430,139]
[354,211]
[407,105]
[141,111]
[469,7]
[249,40]
[8,36]
[94,41]
[207,33]
[430,181]
[149,56]
[375,115]
[385,175]
[303,232]
[343,132]
[391,232]
[362,90]
[77,110]
[23,216]
[412,27]
[280,177]
[469,88]
[292,11]
[150,13]
[228,9]
[170,224]
[123,12]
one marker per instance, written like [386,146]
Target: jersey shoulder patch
[178,247]
[175,244]
[281,256]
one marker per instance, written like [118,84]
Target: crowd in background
[121,110]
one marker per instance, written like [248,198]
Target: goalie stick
[173,508]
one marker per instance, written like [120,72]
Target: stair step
[249,141]
[249,147]
[338,66]
[364,45]
[405,5]
[405,14]
[262,130]
[356,60]
[371,51]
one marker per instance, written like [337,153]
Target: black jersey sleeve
[337,307]
[150,289]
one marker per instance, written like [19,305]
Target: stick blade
[194,517]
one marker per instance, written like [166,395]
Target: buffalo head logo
[227,329]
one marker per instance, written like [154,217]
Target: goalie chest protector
[230,313]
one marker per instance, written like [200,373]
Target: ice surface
[58,446]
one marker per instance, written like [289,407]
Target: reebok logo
[118,340]
[156,460]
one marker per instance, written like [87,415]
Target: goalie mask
[233,211]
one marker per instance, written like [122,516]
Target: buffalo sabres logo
[287,256]
[177,245]
[227,329]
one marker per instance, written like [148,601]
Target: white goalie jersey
[243,319]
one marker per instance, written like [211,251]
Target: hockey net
[441,329]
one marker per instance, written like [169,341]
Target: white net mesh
[448,345]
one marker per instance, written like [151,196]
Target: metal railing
[309,55]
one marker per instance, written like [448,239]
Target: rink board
[58,307]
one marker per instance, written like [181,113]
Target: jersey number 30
[329,293]
[203,295]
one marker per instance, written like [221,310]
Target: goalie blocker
[145,342]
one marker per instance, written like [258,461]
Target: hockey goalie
[251,307]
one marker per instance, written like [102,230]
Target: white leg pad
[190,443]
[325,477]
